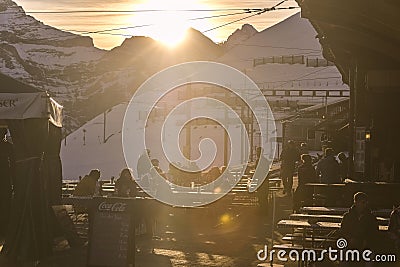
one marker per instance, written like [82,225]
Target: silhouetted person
[386,169]
[125,186]
[328,168]
[306,174]
[343,165]
[173,174]
[394,228]
[213,174]
[156,167]
[289,156]
[144,164]
[262,164]
[359,226]
[87,186]
[194,173]
[303,148]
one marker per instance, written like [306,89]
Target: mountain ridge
[86,80]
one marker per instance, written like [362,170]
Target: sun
[169,24]
[169,28]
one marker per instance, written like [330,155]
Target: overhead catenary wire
[246,11]
[303,76]
[136,11]
[258,12]
[153,24]
[109,31]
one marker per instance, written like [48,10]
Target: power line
[258,12]
[146,25]
[135,11]
[225,24]
[308,74]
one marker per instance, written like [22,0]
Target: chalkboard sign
[111,233]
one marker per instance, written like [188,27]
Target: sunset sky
[167,26]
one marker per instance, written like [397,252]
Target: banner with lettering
[23,105]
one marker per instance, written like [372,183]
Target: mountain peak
[248,29]
[240,35]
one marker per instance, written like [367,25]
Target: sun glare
[168,26]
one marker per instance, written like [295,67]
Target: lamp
[367,135]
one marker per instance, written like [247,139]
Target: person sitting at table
[306,174]
[125,186]
[213,174]
[156,168]
[174,174]
[328,168]
[88,185]
[359,226]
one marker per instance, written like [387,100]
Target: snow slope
[294,36]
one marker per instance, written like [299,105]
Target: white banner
[23,105]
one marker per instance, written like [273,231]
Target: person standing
[306,174]
[144,164]
[303,148]
[343,165]
[328,168]
[262,165]
[394,227]
[289,156]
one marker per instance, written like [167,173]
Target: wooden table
[329,218]
[340,211]
[324,210]
[317,225]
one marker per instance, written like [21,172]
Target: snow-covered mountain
[292,37]
[85,79]
[239,36]
[293,46]
[89,81]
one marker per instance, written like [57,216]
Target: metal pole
[273,223]
[188,126]
[104,126]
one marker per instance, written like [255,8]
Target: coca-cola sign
[113,207]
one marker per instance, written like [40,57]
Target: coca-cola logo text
[114,207]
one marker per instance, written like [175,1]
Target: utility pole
[104,126]
[226,133]
[188,127]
